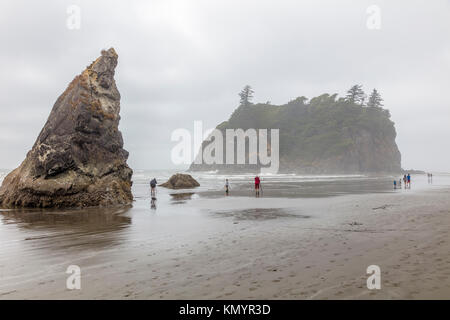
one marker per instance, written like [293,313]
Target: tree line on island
[355,95]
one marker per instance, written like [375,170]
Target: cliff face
[78,158]
[324,136]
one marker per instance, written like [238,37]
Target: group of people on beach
[406,182]
[257,186]
[153,184]
[397,185]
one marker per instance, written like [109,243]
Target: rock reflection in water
[92,218]
[179,198]
[74,228]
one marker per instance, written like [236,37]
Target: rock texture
[181,181]
[78,159]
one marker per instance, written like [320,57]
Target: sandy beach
[244,151]
[211,247]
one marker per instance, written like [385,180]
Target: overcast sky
[181,61]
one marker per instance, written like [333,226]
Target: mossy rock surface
[181,181]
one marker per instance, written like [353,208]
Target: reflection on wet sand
[74,228]
[259,214]
[179,198]
[89,218]
[273,188]
[153,204]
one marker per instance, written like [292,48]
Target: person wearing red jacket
[257,185]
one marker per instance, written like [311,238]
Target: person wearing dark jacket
[153,187]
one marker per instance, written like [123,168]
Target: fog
[181,61]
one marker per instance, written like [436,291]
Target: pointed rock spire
[78,159]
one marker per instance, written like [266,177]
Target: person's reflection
[153,204]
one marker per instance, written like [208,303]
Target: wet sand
[194,247]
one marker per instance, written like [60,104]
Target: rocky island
[325,135]
[78,159]
[180,181]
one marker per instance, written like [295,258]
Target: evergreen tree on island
[246,95]
[356,95]
[375,99]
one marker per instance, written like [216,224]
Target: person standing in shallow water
[409,181]
[257,185]
[153,187]
[227,187]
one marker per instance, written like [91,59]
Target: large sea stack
[327,135]
[78,159]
